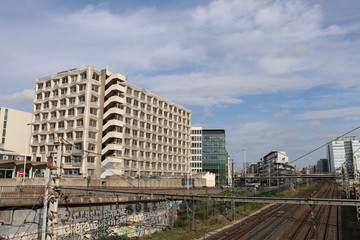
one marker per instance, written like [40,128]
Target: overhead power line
[324,144]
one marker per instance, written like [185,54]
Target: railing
[21,191]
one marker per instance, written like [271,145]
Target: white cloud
[281,114]
[333,113]
[223,49]
[24,97]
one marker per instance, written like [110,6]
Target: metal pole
[46,201]
[244,167]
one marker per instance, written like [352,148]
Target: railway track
[285,221]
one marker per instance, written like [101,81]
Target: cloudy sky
[276,75]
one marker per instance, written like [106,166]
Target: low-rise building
[275,164]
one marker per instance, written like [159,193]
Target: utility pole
[46,199]
[232,174]
[52,214]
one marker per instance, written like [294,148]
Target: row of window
[63,124]
[154,101]
[72,112]
[153,165]
[66,80]
[68,136]
[65,102]
[155,147]
[65,91]
[77,147]
[163,116]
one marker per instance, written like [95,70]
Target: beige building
[107,126]
[15,131]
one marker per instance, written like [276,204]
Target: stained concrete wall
[91,221]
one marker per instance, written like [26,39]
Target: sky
[276,75]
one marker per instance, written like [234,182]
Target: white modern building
[107,126]
[196,149]
[275,164]
[344,153]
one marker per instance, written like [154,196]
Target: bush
[118,237]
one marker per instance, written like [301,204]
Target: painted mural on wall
[92,222]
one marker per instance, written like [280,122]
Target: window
[69,135]
[54,104]
[93,111]
[82,88]
[52,126]
[37,106]
[80,110]
[48,84]
[91,147]
[63,102]
[71,112]
[64,80]
[82,99]
[67,159]
[45,116]
[70,124]
[73,89]
[35,139]
[42,149]
[94,88]
[61,125]
[40,86]
[95,77]
[92,135]
[80,123]
[36,128]
[92,123]
[73,78]
[62,113]
[53,114]
[90,159]
[39,96]
[56,82]
[71,101]
[79,135]
[83,76]
[55,93]
[63,91]
[33,149]
[94,99]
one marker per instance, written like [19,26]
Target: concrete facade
[15,131]
[106,126]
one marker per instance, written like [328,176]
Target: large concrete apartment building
[107,126]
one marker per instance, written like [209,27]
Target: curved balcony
[112,122]
[114,110]
[112,134]
[115,87]
[116,99]
[110,147]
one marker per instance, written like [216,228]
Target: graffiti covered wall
[92,222]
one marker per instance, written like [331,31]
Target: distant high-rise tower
[344,152]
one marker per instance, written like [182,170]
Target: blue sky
[276,75]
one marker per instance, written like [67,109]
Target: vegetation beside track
[210,216]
